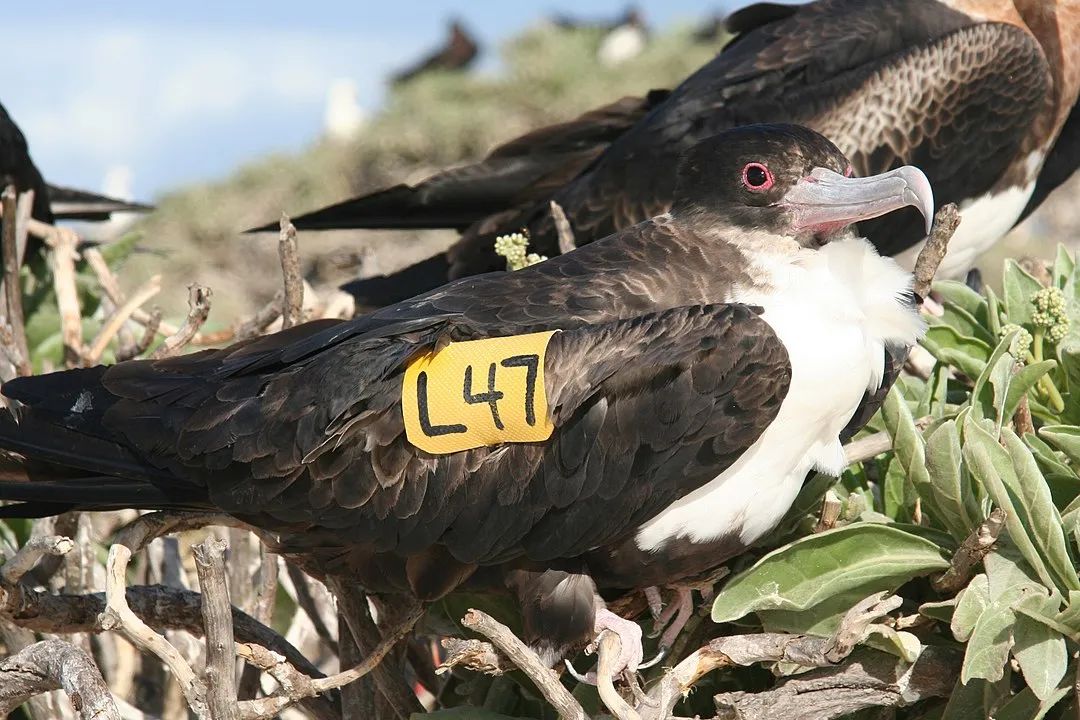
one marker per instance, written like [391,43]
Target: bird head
[790,181]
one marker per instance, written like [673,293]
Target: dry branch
[292,311]
[608,647]
[198,311]
[869,447]
[137,534]
[971,552]
[152,326]
[64,244]
[116,321]
[527,661]
[12,285]
[296,688]
[118,616]
[52,665]
[217,619]
[29,554]
[871,679]
[946,220]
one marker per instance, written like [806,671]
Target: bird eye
[757,177]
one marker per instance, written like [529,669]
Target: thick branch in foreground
[217,619]
[55,665]
[971,552]
[160,607]
[871,679]
[522,657]
[946,220]
[12,284]
[292,310]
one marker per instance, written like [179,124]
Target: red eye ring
[756,177]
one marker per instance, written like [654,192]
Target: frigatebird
[626,415]
[51,202]
[457,53]
[974,92]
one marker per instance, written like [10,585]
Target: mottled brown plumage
[972,92]
[457,53]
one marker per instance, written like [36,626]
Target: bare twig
[137,534]
[294,687]
[353,605]
[562,227]
[118,616]
[217,619]
[608,646]
[830,512]
[50,665]
[744,650]
[258,322]
[198,311]
[116,321]
[305,598]
[869,447]
[28,555]
[64,244]
[12,284]
[22,224]
[872,679]
[971,552]
[292,311]
[946,220]
[522,657]
[151,328]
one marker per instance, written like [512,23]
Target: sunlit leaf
[970,605]
[954,501]
[1039,650]
[1019,288]
[863,556]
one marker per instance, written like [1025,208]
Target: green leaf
[1040,651]
[1065,438]
[942,611]
[971,603]
[993,311]
[973,700]
[1042,517]
[933,400]
[1024,381]
[991,387]
[1019,287]
[988,647]
[864,556]
[1063,266]
[904,645]
[1046,456]
[1026,706]
[988,461]
[967,354]
[953,499]
[961,296]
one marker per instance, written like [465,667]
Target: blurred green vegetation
[547,75]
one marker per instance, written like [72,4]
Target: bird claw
[630,650]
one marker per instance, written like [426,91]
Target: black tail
[383,290]
[55,457]
[72,204]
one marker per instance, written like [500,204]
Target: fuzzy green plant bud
[1021,342]
[513,248]
[533,258]
[1050,313]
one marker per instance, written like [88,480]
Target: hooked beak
[825,199]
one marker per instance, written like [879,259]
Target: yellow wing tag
[477,393]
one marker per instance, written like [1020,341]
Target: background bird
[974,93]
[457,53]
[690,387]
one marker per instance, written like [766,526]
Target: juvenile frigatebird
[974,92]
[51,202]
[660,399]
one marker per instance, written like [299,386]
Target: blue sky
[181,92]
